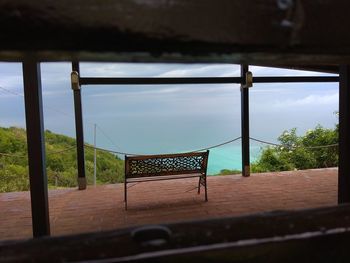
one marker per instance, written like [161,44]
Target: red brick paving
[102,208]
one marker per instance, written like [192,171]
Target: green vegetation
[297,152]
[61,162]
[228,172]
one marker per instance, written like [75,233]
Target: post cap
[75,80]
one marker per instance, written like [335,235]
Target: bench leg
[199,185]
[125,196]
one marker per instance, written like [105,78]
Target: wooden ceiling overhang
[300,34]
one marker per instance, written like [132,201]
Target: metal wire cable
[49,153]
[48,107]
[321,146]
[108,137]
[217,145]
[294,147]
[107,150]
[11,92]
[3,93]
[202,149]
[61,151]
[124,153]
[266,142]
[12,155]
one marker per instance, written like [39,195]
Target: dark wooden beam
[36,148]
[79,128]
[158,81]
[321,234]
[344,135]
[261,32]
[245,122]
[201,80]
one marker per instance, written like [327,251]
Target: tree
[316,149]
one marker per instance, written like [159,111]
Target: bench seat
[164,177]
[147,168]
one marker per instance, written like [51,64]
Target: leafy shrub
[300,152]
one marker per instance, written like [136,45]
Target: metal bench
[146,168]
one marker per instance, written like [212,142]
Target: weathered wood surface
[319,234]
[263,32]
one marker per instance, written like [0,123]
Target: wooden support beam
[261,32]
[344,135]
[245,122]
[36,148]
[79,127]
[202,80]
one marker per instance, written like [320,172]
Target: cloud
[123,94]
[125,69]
[147,92]
[264,71]
[267,90]
[224,70]
[102,69]
[311,100]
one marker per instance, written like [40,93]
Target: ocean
[229,157]
[163,135]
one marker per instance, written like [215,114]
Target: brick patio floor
[102,208]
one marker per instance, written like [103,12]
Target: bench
[146,168]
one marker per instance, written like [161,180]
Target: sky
[169,118]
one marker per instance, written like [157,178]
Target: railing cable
[199,150]
[48,153]
[202,149]
[294,147]
[107,136]
[217,145]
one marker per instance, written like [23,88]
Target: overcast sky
[140,117]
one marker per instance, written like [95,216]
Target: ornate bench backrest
[167,164]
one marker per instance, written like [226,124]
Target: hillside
[61,162]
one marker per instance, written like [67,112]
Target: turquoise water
[229,157]
[224,157]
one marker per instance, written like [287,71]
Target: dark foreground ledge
[314,235]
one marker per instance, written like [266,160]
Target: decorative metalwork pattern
[164,166]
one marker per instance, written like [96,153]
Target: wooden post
[36,148]
[245,122]
[344,135]
[79,128]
